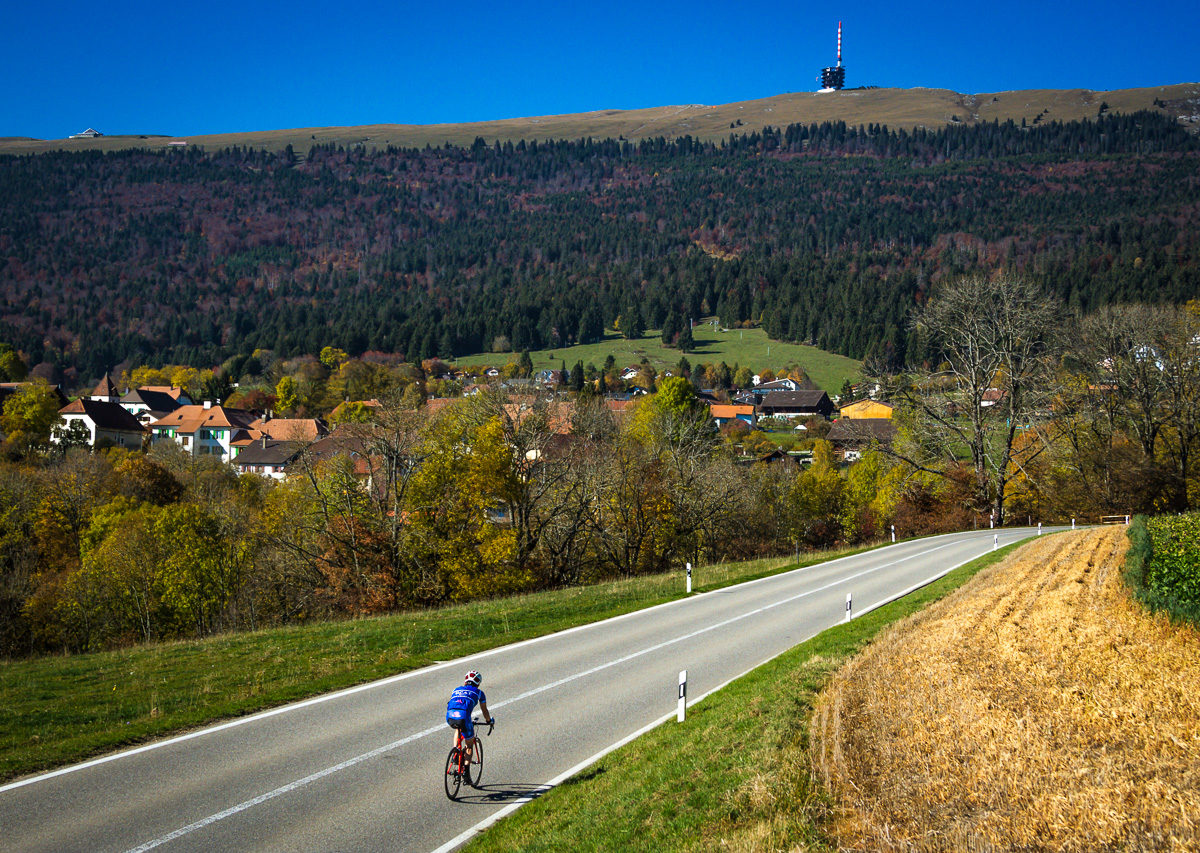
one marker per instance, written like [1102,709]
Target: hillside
[1039,707]
[897,108]
[823,234]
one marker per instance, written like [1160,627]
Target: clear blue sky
[208,67]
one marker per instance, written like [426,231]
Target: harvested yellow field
[1038,707]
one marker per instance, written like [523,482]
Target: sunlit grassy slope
[746,347]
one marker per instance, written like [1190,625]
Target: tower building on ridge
[834,77]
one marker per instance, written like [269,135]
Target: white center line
[351,762]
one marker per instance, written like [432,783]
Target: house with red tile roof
[204,430]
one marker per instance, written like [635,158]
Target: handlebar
[491,724]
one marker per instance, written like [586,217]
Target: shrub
[1163,564]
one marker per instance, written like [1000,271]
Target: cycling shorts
[461,720]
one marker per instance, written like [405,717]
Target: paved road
[361,769]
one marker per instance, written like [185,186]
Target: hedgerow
[1163,564]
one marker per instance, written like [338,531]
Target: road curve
[360,769]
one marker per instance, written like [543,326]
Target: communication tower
[834,77]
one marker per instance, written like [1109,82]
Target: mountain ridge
[896,108]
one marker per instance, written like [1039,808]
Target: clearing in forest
[1037,707]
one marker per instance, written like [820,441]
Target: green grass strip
[61,709]
[736,775]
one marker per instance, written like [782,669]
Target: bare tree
[997,341]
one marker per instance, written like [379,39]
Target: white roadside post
[849,609]
[995,541]
[1126,521]
[1072,524]
[1039,528]
[689,578]
[682,696]
[893,534]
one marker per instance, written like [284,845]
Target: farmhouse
[106,423]
[853,435]
[794,404]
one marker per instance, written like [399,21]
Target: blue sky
[211,67]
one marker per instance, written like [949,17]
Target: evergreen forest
[828,234]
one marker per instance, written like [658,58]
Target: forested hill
[823,233]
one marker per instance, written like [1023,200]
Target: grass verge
[735,776]
[56,710]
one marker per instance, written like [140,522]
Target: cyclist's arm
[486,716]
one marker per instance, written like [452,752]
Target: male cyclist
[462,703]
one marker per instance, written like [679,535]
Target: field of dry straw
[1036,708]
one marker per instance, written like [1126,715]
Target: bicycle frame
[458,762]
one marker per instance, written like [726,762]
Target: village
[256,442]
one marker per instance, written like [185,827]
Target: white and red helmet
[474,677]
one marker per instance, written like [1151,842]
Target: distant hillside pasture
[907,108]
[1038,707]
[745,347]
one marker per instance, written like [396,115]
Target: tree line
[1027,412]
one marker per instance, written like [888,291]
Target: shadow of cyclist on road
[502,792]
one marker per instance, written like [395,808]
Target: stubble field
[1039,707]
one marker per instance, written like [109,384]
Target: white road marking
[321,774]
[316,700]
[467,834]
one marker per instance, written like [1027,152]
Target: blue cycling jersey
[464,699]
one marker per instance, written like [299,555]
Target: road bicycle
[465,764]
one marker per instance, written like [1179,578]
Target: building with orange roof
[204,430]
[866,409]
[725,413]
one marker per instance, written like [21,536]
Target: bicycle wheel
[453,774]
[475,768]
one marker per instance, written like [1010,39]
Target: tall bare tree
[997,341]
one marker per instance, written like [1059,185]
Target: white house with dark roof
[148,405]
[106,423]
[267,457]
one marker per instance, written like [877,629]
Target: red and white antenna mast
[839,44]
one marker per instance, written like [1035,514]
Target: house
[107,423]
[991,397]
[90,133]
[302,430]
[299,432]
[723,414]
[105,390]
[267,457]
[631,372]
[866,409]
[784,384]
[794,404]
[149,404]
[853,435]
[203,430]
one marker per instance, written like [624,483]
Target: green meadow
[745,347]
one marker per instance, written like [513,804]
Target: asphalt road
[361,769]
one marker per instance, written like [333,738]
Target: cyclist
[462,703]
